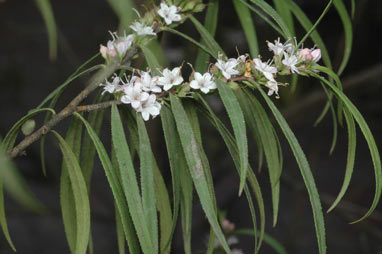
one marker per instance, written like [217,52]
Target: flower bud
[305,55]
[316,54]
[28,127]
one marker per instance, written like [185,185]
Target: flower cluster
[142,92]
[286,60]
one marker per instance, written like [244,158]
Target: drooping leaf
[233,150]
[305,172]
[369,139]
[194,159]
[130,184]
[10,138]
[151,59]
[67,201]
[50,23]
[147,183]
[211,44]
[285,13]
[116,187]
[236,116]
[253,109]
[210,23]
[248,26]
[81,199]
[274,15]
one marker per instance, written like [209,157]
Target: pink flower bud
[316,54]
[103,50]
[305,54]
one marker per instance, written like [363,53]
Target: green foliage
[146,214]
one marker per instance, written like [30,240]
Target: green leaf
[276,245]
[210,23]
[129,183]
[5,165]
[71,78]
[164,209]
[147,182]
[176,160]
[346,21]
[234,152]
[352,141]
[116,187]
[50,23]
[253,109]
[68,206]
[10,138]
[264,17]
[307,25]
[124,11]
[315,24]
[151,59]
[207,37]
[286,14]
[305,172]
[274,15]
[369,139]
[120,234]
[201,46]
[81,199]
[194,159]
[88,149]
[248,26]
[236,117]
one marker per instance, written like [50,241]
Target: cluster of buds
[228,228]
[286,60]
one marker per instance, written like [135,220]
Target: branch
[101,105]
[70,108]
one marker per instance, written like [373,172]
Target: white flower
[141,29]
[148,83]
[129,83]
[170,78]
[316,54]
[122,44]
[203,82]
[242,59]
[169,13]
[150,107]
[273,88]
[135,96]
[290,62]
[232,240]
[266,69]
[228,68]
[279,48]
[111,87]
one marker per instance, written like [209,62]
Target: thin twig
[70,108]
[101,105]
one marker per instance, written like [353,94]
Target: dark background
[27,76]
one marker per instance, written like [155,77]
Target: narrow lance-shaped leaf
[50,23]
[116,187]
[248,26]
[68,207]
[346,21]
[210,23]
[274,15]
[195,164]
[81,199]
[253,109]
[276,245]
[305,172]
[352,140]
[207,37]
[5,165]
[233,150]
[147,182]
[236,116]
[129,183]
[176,160]
[369,139]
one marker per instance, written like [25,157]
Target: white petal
[136,104]
[167,87]
[205,90]
[145,115]
[194,84]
